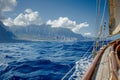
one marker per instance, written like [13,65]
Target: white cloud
[61,22]
[65,22]
[6,5]
[79,26]
[28,10]
[8,22]
[24,19]
[87,34]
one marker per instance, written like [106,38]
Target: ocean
[44,60]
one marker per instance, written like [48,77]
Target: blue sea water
[43,60]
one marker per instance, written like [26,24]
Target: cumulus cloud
[77,28]
[24,19]
[28,11]
[65,22]
[61,22]
[87,34]
[6,5]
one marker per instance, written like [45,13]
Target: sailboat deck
[103,69]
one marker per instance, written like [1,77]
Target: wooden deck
[103,67]
[106,64]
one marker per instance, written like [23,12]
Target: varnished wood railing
[113,67]
[88,75]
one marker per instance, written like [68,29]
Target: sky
[77,15]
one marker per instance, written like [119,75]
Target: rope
[68,73]
[98,14]
[88,50]
[103,16]
[86,53]
[75,65]
[97,23]
[103,34]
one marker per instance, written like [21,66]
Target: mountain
[45,32]
[5,34]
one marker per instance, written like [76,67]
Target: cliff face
[42,32]
[45,32]
[5,34]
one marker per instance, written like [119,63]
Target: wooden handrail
[113,67]
[88,75]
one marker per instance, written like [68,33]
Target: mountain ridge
[45,32]
[5,34]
